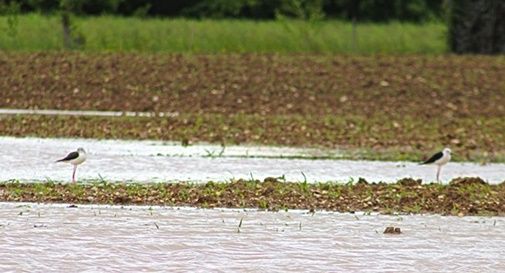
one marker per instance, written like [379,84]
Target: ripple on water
[133,239]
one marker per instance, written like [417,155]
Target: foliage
[477,27]
[363,10]
[11,10]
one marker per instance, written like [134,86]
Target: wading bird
[439,159]
[75,158]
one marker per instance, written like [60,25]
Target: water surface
[32,159]
[42,238]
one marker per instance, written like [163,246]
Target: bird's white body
[80,159]
[440,159]
[75,158]
[444,159]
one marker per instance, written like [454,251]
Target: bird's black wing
[434,158]
[70,156]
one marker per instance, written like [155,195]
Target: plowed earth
[413,103]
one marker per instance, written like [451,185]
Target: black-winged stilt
[439,159]
[75,158]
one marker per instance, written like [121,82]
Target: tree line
[362,10]
[475,26]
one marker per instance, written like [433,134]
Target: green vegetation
[463,196]
[35,32]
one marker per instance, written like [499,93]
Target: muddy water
[138,239]
[54,112]
[32,159]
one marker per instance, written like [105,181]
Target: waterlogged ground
[32,159]
[409,104]
[38,237]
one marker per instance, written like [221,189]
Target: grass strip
[34,32]
[462,196]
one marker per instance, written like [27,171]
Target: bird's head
[447,151]
[81,150]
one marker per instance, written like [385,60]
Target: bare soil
[423,86]
[413,104]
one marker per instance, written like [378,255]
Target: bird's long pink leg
[438,173]
[73,174]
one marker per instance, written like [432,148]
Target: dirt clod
[410,182]
[466,181]
[392,230]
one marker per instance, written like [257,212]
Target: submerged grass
[463,196]
[35,32]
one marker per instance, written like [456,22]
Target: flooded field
[38,237]
[32,159]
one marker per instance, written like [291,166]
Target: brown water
[32,159]
[42,238]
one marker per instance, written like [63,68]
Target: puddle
[37,237]
[54,112]
[32,159]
